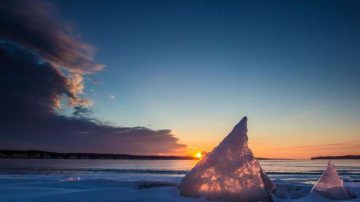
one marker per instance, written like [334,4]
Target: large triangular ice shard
[230,172]
[330,185]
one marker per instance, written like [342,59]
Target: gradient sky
[198,67]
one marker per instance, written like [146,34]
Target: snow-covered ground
[38,188]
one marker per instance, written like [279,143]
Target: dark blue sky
[196,67]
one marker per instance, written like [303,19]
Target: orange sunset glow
[198,155]
[272,139]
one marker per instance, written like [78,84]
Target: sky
[174,77]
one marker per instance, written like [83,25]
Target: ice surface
[330,185]
[40,189]
[230,172]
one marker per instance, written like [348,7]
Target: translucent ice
[330,185]
[230,172]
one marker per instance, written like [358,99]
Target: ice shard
[330,185]
[229,172]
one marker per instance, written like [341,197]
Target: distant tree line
[337,157]
[35,154]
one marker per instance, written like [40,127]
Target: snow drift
[331,186]
[230,172]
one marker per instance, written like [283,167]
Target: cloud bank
[42,64]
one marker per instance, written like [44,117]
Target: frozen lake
[299,171]
[53,180]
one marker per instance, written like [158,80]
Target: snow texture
[330,185]
[27,188]
[229,173]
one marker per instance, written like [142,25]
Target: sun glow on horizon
[198,155]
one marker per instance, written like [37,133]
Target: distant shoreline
[37,154]
[350,157]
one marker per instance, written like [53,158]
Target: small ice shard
[331,186]
[229,173]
